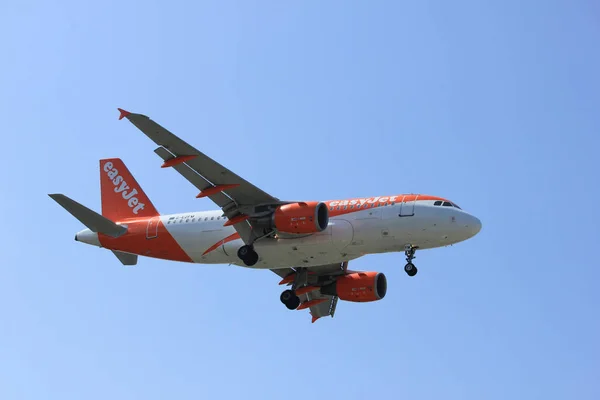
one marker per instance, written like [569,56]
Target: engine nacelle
[305,217]
[358,287]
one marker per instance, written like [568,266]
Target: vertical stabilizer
[122,196]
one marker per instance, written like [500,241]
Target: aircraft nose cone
[473,225]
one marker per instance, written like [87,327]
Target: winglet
[124,113]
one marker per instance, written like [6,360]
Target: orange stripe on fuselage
[146,237]
[232,237]
[341,207]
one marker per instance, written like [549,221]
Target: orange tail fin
[122,196]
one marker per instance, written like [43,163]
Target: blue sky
[494,106]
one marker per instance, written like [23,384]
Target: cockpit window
[445,204]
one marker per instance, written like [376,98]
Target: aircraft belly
[342,233]
[367,235]
[219,245]
[311,250]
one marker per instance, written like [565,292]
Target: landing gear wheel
[251,259]
[410,269]
[247,254]
[289,298]
[244,251]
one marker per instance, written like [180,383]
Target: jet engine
[358,287]
[304,217]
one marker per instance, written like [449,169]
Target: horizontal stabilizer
[126,258]
[94,221]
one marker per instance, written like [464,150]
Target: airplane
[309,244]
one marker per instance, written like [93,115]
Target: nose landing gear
[410,268]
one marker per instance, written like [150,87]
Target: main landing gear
[247,254]
[410,268]
[289,299]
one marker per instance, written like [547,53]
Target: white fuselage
[348,236]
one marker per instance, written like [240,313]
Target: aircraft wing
[234,195]
[320,305]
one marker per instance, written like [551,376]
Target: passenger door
[152,229]
[407,207]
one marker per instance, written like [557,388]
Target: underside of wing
[320,288]
[307,283]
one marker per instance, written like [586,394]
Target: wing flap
[324,309]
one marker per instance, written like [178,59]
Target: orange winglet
[236,220]
[288,279]
[124,113]
[216,189]
[306,289]
[177,160]
[310,303]
[314,319]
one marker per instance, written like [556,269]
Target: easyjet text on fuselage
[361,202]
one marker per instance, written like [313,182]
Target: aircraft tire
[410,269]
[251,259]
[289,298]
[244,251]
[248,255]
